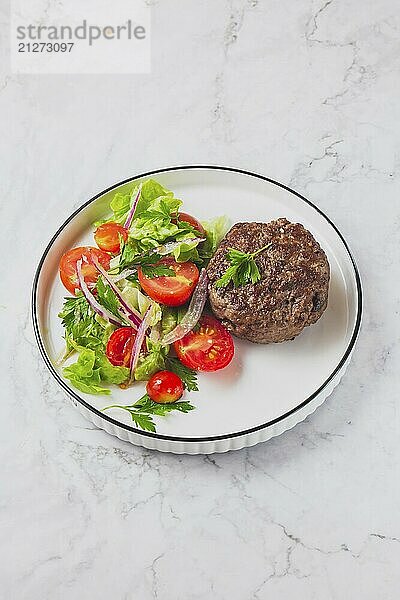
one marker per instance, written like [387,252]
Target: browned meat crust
[292,292]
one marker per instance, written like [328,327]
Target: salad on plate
[136,309]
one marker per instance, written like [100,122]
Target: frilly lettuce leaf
[151,232]
[155,223]
[187,250]
[154,197]
[134,297]
[171,316]
[215,231]
[120,206]
[169,319]
[162,207]
[152,223]
[91,369]
[152,362]
[151,190]
[108,372]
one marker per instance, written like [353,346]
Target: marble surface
[306,92]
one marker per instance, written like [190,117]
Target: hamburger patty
[292,292]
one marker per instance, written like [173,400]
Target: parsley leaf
[188,376]
[80,323]
[141,420]
[127,255]
[243,268]
[142,411]
[74,310]
[147,262]
[107,298]
[146,405]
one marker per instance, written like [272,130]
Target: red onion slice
[100,310]
[193,314]
[137,345]
[132,314]
[131,213]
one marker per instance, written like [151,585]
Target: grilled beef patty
[292,292]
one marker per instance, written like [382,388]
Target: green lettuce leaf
[149,232]
[171,316]
[110,373]
[160,208]
[187,250]
[120,206]
[152,223]
[169,319]
[91,369]
[152,362]
[151,191]
[136,299]
[215,231]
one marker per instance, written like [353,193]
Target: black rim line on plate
[140,432]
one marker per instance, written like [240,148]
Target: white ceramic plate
[267,388]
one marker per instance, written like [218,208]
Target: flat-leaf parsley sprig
[243,268]
[188,376]
[142,411]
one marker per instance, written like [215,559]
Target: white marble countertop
[307,93]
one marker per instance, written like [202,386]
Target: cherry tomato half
[209,348]
[68,274]
[107,237]
[119,346]
[172,291]
[164,387]
[192,221]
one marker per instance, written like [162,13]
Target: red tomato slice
[192,221]
[90,274]
[107,237]
[164,387]
[172,291]
[119,346]
[209,348]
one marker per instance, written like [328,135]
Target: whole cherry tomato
[164,387]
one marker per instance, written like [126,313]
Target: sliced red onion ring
[137,345]
[193,314]
[100,310]
[131,213]
[133,315]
